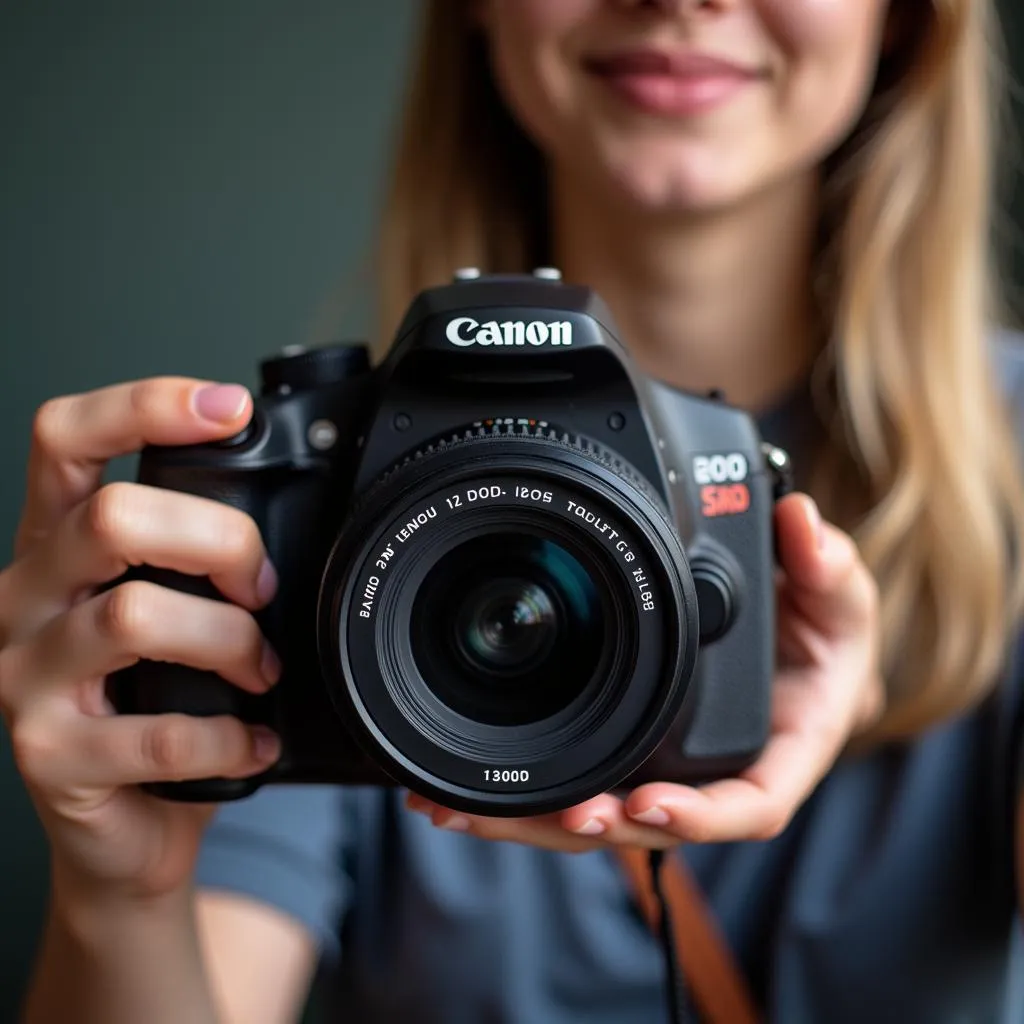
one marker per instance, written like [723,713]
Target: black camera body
[514,571]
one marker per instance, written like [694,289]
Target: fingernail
[270,664]
[814,516]
[591,827]
[653,816]
[266,582]
[266,744]
[456,823]
[222,403]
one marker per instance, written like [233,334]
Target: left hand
[827,687]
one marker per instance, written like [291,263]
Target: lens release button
[715,599]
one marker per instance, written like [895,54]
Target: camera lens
[508,620]
[507,628]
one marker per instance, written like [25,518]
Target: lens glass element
[508,628]
[507,625]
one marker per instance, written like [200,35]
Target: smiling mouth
[671,84]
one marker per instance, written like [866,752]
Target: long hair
[918,461]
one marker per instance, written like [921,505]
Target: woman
[783,198]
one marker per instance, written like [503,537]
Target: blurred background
[184,188]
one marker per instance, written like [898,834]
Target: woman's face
[685,105]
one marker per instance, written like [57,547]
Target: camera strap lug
[780,467]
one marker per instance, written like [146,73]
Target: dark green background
[184,187]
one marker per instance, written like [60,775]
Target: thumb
[825,578]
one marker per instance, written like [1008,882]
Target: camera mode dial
[302,369]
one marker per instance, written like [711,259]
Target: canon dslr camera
[514,572]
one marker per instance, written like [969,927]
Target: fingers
[126,750]
[542,831]
[606,816]
[757,806]
[128,524]
[74,436]
[826,580]
[589,826]
[132,621]
[810,723]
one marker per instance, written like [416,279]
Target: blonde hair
[918,461]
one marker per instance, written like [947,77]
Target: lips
[671,83]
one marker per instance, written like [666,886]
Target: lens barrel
[509,621]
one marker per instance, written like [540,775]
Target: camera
[514,571]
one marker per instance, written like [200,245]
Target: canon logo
[465,331]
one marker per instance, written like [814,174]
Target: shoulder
[1006,348]
[1007,704]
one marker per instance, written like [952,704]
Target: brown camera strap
[719,989]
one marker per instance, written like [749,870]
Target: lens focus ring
[531,430]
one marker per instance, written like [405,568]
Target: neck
[717,301]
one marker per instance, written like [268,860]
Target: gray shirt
[890,898]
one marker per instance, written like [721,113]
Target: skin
[697,232]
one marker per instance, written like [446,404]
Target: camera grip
[156,687]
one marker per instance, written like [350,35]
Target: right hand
[60,638]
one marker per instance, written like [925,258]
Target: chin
[662,179]
[656,190]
